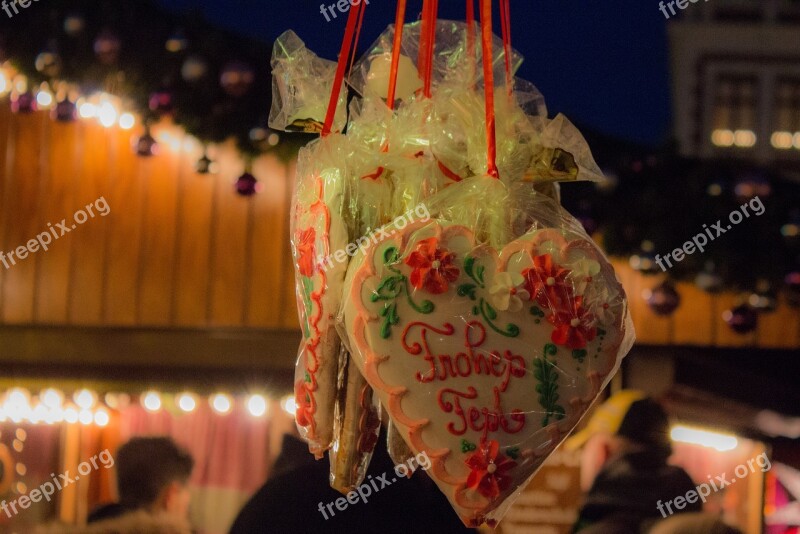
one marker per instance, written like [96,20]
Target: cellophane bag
[480,314]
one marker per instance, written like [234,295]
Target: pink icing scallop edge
[313,344]
[396,393]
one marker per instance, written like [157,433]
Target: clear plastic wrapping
[301,87]
[475,310]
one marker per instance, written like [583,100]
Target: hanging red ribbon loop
[505,21]
[344,55]
[488,87]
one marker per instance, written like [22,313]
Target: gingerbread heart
[319,239]
[484,359]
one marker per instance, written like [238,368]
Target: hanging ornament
[106,47]
[764,299]
[48,63]
[161,101]
[74,24]
[64,111]
[792,289]
[146,145]
[194,69]
[236,79]
[177,42]
[204,165]
[742,319]
[663,299]
[246,185]
[23,102]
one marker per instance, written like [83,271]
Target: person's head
[627,422]
[153,473]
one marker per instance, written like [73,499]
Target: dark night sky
[604,64]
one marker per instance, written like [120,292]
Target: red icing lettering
[479,419]
[464,364]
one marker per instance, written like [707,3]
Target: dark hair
[646,423]
[145,466]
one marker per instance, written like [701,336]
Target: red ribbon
[488,87]
[344,55]
[505,21]
[399,19]
[471,37]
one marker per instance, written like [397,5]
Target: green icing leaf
[547,377]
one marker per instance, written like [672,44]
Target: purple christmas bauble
[663,299]
[161,101]
[742,319]
[246,185]
[23,103]
[106,47]
[64,111]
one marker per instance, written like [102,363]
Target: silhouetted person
[294,499]
[153,486]
[624,467]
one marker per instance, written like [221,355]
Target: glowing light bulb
[70,415]
[5,83]
[101,417]
[221,403]
[187,402]
[257,405]
[44,99]
[20,83]
[107,114]
[151,401]
[52,398]
[289,405]
[84,398]
[87,110]
[85,417]
[127,121]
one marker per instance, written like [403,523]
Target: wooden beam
[201,358]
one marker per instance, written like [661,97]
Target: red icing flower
[575,325]
[302,403]
[489,475]
[546,282]
[432,267]
[305,249]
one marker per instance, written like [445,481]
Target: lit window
[786,114]
[734,112]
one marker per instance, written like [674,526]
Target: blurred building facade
[736,80]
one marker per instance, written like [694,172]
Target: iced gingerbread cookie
[318,232]
[484,359]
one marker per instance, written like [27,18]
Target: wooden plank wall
[180,249]
[177,249]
